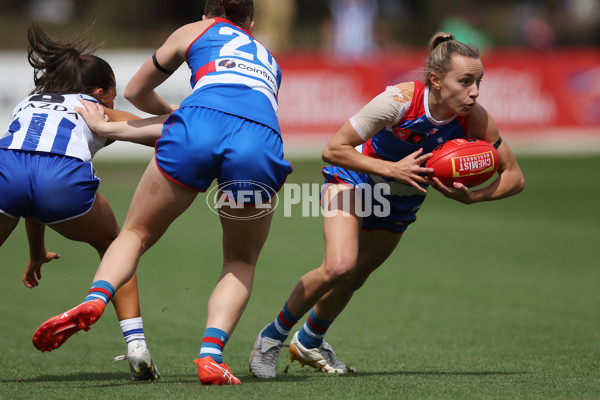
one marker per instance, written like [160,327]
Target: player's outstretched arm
[143,131]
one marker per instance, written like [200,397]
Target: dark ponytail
[237,11]
[65,67]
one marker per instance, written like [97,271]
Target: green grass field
[498,300]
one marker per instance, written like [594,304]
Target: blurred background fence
[541,58]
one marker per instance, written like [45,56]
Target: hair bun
[230,5]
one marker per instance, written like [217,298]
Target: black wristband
[498,143]
[160,67]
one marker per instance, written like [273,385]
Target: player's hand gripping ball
[467,161]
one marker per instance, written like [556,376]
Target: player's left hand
[93,114]
[458,191]
[33,271]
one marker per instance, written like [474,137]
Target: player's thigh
[341,226]
[243,235]
[98,227]
[7,225]
[156,203]
[375,247]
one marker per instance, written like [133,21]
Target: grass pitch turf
[496,300]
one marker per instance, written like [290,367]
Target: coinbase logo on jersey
[242,200]
[228,63]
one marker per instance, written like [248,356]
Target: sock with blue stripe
[313,331]
[100,290]
[213,343]
[133,329]
[281,327]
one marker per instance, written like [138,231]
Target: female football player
[227,129]
[386,142]
[46,174]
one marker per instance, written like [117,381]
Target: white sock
[133,330]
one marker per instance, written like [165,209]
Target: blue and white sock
[313,331]
[133,329]
[213,343]
[281,327]
[100,290]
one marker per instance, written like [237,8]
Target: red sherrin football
[467,161]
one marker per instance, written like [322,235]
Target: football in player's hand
[467,161]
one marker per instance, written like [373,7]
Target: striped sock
[281,327]
[133,329]
[100,290]
[312,333]
[213,343]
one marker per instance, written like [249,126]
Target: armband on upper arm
[160,67]
[498,142]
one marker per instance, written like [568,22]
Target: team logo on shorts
[227,199]
[228,63]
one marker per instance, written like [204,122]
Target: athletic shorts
[199,145]
[52,188]
[385,204]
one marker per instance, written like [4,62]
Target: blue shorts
[199,145]
[52,188]
[387,204]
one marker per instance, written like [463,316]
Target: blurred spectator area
[548,51]
[146,23]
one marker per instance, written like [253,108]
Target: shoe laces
[329,355]
[272,354]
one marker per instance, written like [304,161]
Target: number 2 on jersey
[240,39]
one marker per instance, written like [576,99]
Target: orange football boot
[54,332]
[213,373]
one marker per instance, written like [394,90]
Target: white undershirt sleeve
[385,110]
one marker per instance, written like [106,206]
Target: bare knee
[130,237]
[7,225]
[103,244]
[143,238]
[339,269]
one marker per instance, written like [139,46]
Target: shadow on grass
[120,379]
[440,373]
[304,375]
[75,377]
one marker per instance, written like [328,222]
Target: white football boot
[141,366]
[264,356]
[321,358]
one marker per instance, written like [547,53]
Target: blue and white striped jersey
[48,122]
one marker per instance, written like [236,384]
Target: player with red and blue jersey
[409,128]
[394,135]
[227,129]
[47,177]
[236,82]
